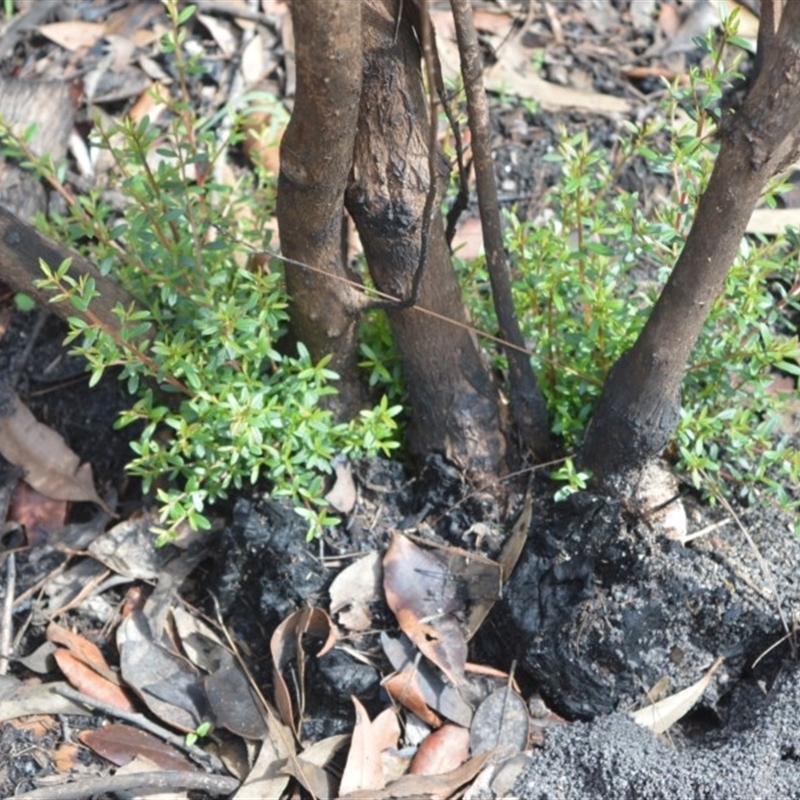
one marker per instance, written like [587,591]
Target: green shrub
[201,350]
[589,269]
[220,403]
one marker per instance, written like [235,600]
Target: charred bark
[22,247]
[316,154]
[639,407]
[454,402]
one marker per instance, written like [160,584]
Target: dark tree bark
[639,406]
[21,249]
[316,154]
[454,402]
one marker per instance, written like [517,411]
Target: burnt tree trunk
[639,407]
[454,402]
[316,154]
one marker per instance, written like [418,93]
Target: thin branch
[765,570]
[7,619]
[146,782]
[527,402]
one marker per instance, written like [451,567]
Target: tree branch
[527,402]
[639,407]
[21,249]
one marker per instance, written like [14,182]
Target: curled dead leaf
[49,465]
[286,645]
[661,716]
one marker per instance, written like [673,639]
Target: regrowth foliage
[589,268]
[220,402]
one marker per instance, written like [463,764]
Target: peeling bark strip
[638,409]
[453,399]
[316,154]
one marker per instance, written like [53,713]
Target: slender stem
[527,402]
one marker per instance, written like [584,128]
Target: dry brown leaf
[151,104]
[386,729]
[38,698]
[669,20]
[662,715]
[49,465]
[285,646]
[170,686]
[441,751]
[403,687]
[423,595]
[263,136]
[129,548]
[512,549]
[65,757]
[354,589]
[120,744]
[494,21]
[88,682]
[254,61]
[232,699]
[223,33]
[439,694]
[42,517]
[363,770]
[74,34]
[468,240]
[497,779]
[321,753]
[36,724]
[84,650]
[429,787]
[501,721]
[342,496]
[266,778]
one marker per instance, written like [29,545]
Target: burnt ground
[601,607]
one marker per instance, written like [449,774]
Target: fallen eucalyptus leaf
[662,715]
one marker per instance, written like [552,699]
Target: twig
[7,621]
[150,782]
[433,67]
[786,637]
[278,730]
[552,20]
[764,568]
[526,398]
[708,529]
[228,9]
[206,759]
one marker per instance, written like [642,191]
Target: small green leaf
[24,302]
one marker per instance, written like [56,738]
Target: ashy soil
[602,607]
